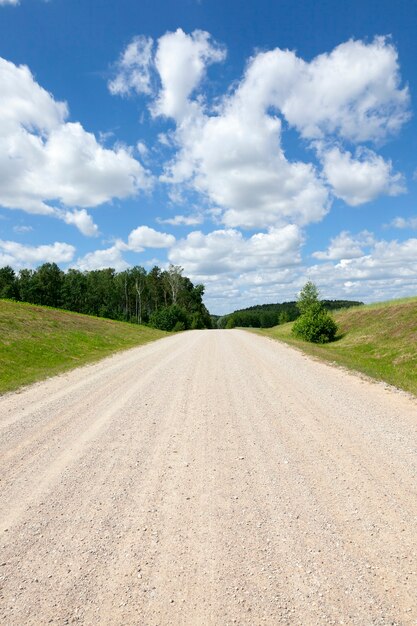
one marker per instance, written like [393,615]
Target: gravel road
[209,478]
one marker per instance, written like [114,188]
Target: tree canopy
[163,298]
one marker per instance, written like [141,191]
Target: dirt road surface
[210,478]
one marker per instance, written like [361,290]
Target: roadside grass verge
[37,342]
[379,340]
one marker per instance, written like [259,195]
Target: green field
[379,340]
[37,342]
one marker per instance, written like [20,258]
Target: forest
[269,315]
[164,299]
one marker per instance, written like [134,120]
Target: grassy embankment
[37,342]
[379,340]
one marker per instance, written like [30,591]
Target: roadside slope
[37,342]
[379,340]
[214,477]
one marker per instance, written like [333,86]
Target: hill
[37,342]
[379,340]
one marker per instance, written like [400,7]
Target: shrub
[315,325]
[167,317]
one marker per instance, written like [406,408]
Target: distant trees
[268,315]
[260,316]
[165,299]
[315,323]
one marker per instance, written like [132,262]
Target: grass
[37,342]
[379,340]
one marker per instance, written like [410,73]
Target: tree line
[269,315]
[165,299]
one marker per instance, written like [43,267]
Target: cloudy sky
[257,144]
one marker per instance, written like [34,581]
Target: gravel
[212,477]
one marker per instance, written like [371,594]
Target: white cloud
[232,153]
[181,61]
[223,252]
[139,239]
[145,237]
[133,70]
[387,270]
[352,92]
[18,255]
[102,259]
[142,149]
[82,220]
[22,229]
[404,222]
[236,160]
[182,220]
[346,246]
[13,2]
[360,179]
[45,160]
[235,156]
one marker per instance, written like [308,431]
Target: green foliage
[8,283]
[132,295]
[315,325]
[308,296]
[169,317]
[269,315]
[259,316]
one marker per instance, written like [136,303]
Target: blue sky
[257,145]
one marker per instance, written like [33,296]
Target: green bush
[315,325]
[168,317]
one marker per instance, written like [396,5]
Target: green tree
[141,291]
[26,287]
[308,296]
[74,291]
[314,324]
[48,280]
[8,283]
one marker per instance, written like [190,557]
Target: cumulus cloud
[82,220]
[133,69]
[352,92]
[45,160]
[234,157]
[236,160]
[226,251]
[181,61]
[387,269]
[346,246]
[102,259]
[138,240]
[145,237]
[360,179]
[232,153]
[18,255]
